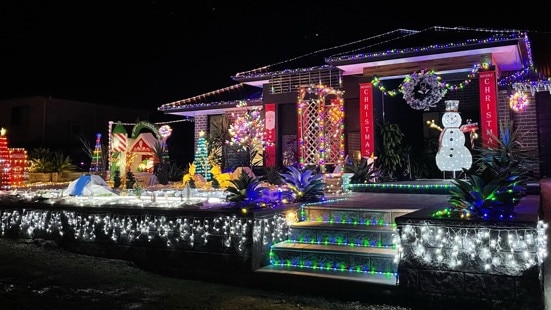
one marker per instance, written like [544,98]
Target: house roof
[401,52]
[220,100]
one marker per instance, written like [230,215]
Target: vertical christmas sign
[367,139]
[488,108]
[269,135]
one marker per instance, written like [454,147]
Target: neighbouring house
[333,103]
[58,123]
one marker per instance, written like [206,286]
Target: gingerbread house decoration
[142,148]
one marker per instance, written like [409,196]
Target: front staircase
[344,242]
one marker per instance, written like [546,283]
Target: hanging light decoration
[518,101]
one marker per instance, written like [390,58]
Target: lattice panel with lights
[320,126]
[310,132]
[332,134]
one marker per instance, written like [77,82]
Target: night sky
[147,53]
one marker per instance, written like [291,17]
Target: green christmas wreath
[423,90]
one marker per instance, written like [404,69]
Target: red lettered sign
[269,135]
[367,129]
[488,108]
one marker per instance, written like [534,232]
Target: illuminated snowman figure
[452,154]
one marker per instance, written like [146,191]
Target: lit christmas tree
[97,165]
[247,133]
[5,171]
[201,160]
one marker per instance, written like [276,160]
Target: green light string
[451,87]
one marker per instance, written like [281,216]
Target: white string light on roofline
[534,86]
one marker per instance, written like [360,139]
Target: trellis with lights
[320,126]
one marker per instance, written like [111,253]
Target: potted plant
[390,159]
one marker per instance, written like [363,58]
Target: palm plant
[40,160]
[509,154]
[244,191]
[272,176]
[62,163]
[497,181]
[492,192]
[363,170]
[306,185]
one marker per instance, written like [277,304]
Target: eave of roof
[220,100]
[208,108]
[392,52]
[503,50]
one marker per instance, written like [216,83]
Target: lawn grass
[37,274]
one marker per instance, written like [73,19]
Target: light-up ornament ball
[518,101]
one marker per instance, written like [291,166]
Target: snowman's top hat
[452,105]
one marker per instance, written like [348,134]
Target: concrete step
[350,215]
[335,257]
[343,234]
[386,279]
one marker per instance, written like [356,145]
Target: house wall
[201,124]
[393,109]
[412,122]
[543,106]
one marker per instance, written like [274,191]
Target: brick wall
[525,121]
[201,124]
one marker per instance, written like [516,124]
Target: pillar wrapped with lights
[320,127]
[5,170]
